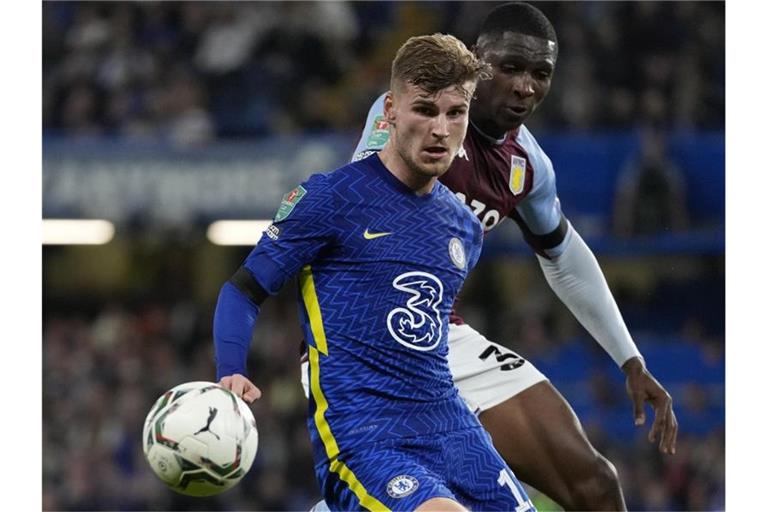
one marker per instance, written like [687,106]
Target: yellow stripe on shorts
[331,448]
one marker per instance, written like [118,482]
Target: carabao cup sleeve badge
[379,133]
[289,202]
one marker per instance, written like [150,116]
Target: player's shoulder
[343,175]
[348,173]
[375,132]
[327,183]
[341,181]
[472,228]
[446,195]
[317,183]
[461,209]
[527,140]
[537,156]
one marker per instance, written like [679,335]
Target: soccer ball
[200,438]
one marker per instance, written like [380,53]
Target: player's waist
[455,319]
[386,419]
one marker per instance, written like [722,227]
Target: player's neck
[418,183]
[488,129]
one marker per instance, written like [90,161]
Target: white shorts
[485,372]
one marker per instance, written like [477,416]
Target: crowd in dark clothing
[193,72]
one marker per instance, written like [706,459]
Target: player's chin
[510,119]
[434,168]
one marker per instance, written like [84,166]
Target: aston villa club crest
[517,175]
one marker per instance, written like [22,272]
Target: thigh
[479,476]
[541,438]
[305,378]
[485,372]
[385,476]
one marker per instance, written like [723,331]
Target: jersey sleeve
[375,133]
[303,226]
[476,244]
[301,229]
[539,214]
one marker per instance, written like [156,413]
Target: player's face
[428,129]
[522,75]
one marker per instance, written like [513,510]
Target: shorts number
[506,478]
[516,362]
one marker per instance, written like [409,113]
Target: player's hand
[241,386]
[643,387]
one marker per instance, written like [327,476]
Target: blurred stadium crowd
[197,71]
[124,322]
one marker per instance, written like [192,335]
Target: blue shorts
[401,474]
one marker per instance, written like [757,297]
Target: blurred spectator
[650,193]
[287,67]
[180,107]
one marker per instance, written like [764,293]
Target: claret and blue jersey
[496,179]
[379,268]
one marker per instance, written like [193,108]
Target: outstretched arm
[233,322]
[575,276]
[299,232]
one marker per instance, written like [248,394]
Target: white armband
[576,278]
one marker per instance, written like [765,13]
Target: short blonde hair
[436,62]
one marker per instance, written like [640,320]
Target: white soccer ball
[200,438]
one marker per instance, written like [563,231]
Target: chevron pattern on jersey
[401,474]
[374,386]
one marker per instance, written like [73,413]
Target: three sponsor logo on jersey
[418,324]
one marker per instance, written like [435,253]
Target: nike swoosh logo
[370,236]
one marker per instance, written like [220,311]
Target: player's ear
[389,108]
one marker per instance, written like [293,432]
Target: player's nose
[440,127]
[523,85]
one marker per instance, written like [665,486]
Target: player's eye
[423,110]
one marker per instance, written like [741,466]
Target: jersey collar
[493,140]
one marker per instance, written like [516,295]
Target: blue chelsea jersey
[379,268]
